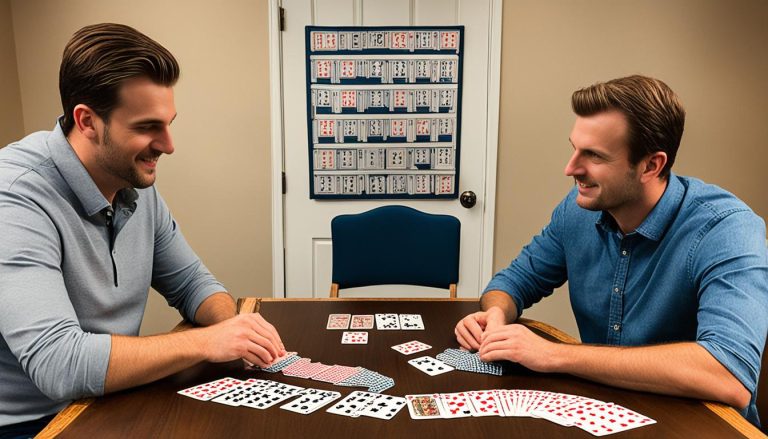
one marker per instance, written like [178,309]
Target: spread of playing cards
[593,416]
[596,417]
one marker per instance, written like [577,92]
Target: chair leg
[452,289]
[334,290]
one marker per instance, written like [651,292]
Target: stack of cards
[360,403]
[468,362]
[596,417]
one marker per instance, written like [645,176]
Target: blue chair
[395,245]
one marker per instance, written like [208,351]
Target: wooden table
[156,410]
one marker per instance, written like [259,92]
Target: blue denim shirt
[695,270]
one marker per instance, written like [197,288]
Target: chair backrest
[395,245]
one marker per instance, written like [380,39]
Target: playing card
[545,400]
[558,411]
[354,337]
[411,347]
[338,321]
[524,398]
[208,391]
[270,395]
[308,370]
[242,392]
[469,362]
[484,402]
[607,418]
[281,362]
[381,385]
[411,321]
[430,366]
[383,407]
[387,321]
[336,374]
[424,406]
[296,365]
[456,405]
[502,402]
[362,322]
[352,404]
[311,400]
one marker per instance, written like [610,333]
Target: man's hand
[518,344]
[246,336]
[469,331]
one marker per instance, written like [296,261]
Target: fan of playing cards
[596,417]
[263,394]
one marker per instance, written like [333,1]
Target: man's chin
[143,183]
[588,203]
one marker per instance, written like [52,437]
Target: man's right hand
[469,331]
[247,336]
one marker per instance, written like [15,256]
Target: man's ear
[87,122]
[652,165]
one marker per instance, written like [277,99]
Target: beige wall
[217,183]
[11,122]
[711,52]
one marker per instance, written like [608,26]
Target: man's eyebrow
[153,120]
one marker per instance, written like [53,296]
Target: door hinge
[283,182]
[281,18]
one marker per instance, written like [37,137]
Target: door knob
[468,199]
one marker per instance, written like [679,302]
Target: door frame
[278,157]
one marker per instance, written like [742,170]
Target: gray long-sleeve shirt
[68,279]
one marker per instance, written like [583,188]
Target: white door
[306,234]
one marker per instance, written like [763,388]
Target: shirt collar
[74,173]
[656,223]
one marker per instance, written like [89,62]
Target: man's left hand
[517,343]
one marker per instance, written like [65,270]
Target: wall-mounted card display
[384,111]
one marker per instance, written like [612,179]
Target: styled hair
[655,116]
[99,58]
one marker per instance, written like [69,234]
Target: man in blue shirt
[668,276]
[85,234]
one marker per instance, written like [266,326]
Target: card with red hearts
[411,347]
[354,337]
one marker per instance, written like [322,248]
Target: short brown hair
[99,58]
[655,115]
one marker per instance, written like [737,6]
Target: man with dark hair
[668,276]
[85,234]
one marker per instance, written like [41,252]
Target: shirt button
[114,252]
[624,252]
[615,290]
[616,327]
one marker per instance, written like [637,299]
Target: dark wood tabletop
[156,410]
